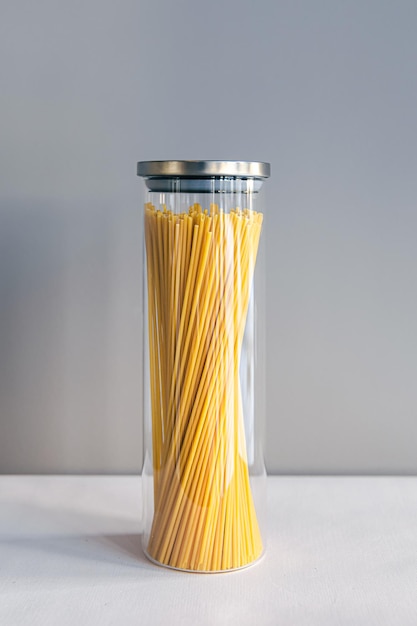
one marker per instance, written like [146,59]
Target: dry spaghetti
[200,266]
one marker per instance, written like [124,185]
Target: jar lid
[204,169]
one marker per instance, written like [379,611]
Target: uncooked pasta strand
[200,268]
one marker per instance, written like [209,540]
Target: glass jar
[204,478]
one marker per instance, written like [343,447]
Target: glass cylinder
[203,477]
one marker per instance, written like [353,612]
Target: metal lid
[204,169]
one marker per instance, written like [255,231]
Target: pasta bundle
[200,267]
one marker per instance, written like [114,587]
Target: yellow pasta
[200,267]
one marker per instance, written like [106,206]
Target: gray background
[327,92]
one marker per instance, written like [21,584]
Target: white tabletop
[341,551]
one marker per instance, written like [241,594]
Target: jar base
[203,571]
